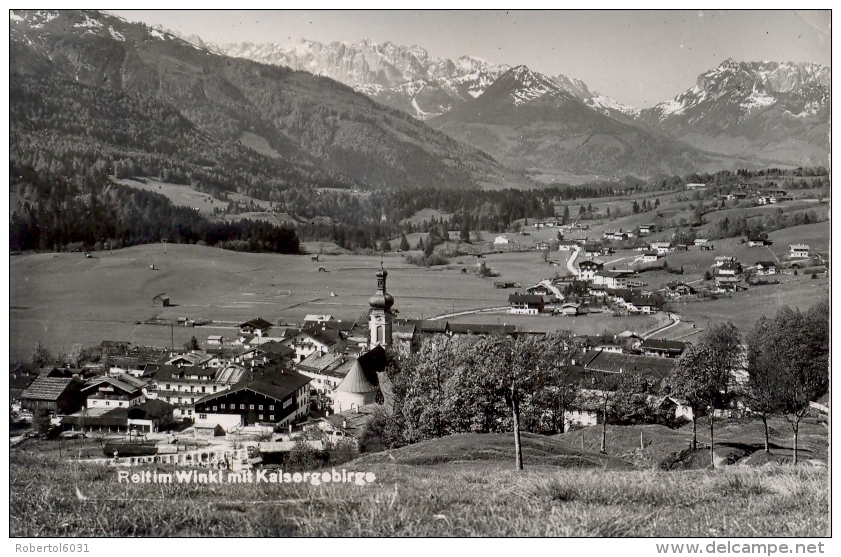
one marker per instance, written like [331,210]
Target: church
[362,384]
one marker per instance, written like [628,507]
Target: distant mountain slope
[528,120]
[305,119]
[763,110]
[406,78]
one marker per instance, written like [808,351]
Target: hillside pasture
[178,194]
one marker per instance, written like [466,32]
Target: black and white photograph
[426,273]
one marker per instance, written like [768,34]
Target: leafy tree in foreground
[703,373]
[763,391]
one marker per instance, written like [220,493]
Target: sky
[638,57]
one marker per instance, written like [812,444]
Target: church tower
[379,320]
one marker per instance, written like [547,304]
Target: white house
[613,279]
[587,269]
[695,186]
[766,268]
[799,250]
[501,240]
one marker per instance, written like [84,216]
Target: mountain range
[375,116]
[759,112]
[309,125]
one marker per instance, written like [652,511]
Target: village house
[146,417]
[309,341]
[729,284]
[276,396]
[613,279]
[661,247]
[593,250]
[755,240]
[183,386]
[256,327]
[542,246]
[114,392]
[603,342]
[663,348]
[723,259]
[729,269]
[501,240]
[643,304]
[695,186]
[60,395]
[326,372]
[567,245]
[570,309]
[161,300]
[766,268]
[349,426]
[651,256]
[215,340]
[702,243]
[646,229]
[798,251]
[676,289]
[526,304]
[587,269]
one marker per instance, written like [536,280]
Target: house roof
[799,247]
[523,299]
[46,388]
[433,326]
[590,263]
[276,383]
[482,329]
[124,386]
[615,362]
[162,296]
[276,348]
[166,372]
[354,423]
[766,264]
[356,381]
[258,323]
[317,362]
[663,344]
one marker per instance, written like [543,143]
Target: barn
[161,300]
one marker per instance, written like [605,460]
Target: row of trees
[499,383]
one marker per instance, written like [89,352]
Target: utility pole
[172,336]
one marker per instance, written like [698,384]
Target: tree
[420,245]
[801,346]
[703,372]
[404,243]
[635,207]
[559,385]
[565,217]
[708,275]
[762,393]
[76,355]
[513,370]
[41,421]
[40,355]
[192,344]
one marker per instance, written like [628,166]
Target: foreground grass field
[55,498]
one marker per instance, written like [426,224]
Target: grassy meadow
[463,485]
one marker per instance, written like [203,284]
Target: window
[192,401]
[223,406]
[214,388]
[107,403]
[242,406]
[271,406]
[167,386]
[202,416]
[202,389]
[214,409]
[260,407]
[260,416]
[251,407]
[271,417]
